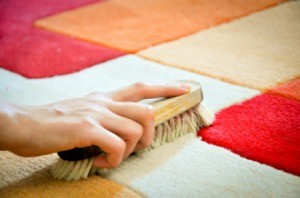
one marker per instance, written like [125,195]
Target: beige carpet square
[258,51]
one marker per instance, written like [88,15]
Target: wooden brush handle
[164,109]
[167,108]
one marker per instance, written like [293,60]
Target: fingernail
[184,86]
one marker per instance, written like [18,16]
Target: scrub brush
[174,117]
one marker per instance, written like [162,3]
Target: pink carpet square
[36,53]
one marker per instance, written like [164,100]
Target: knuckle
[112,105]
[148,113]
[140,86]
[92,101]
[119,147]
[86,123]
[97,98]
[118,150]
[136,131]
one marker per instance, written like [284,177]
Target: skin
[113,121]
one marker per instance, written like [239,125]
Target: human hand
[113,121]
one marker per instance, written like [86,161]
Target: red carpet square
[264,129]
[289,89]
[36,53]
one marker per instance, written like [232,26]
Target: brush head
[174,117]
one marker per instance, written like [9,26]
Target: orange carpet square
[289,89]
[131,25]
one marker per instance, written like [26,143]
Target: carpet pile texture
[245,55]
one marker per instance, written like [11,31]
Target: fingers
[140,113]
[115,135]
[126,128]
[113,146]
[140,91]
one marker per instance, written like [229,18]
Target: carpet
[131,25]
[258,51]
[188,166]
[36,53]
[252,148]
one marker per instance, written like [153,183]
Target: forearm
[8,124]
[28,131]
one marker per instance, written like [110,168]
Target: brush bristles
[188,122]
[72,170]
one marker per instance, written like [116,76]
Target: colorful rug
[251,150]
